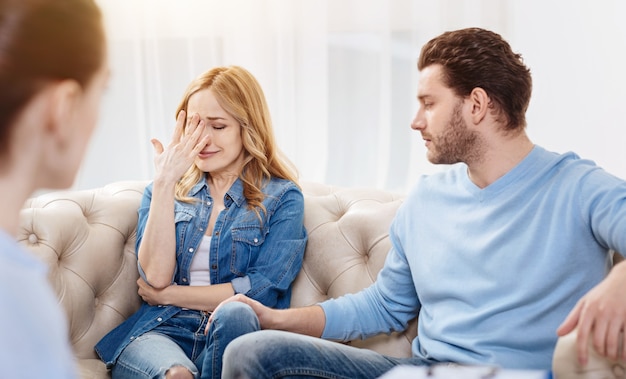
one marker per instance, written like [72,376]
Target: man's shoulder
[569,172]
[568,166]
[568,158]
[571,165]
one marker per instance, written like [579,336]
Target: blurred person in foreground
[53,71]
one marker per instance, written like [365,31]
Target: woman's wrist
[166,296]
[163,181]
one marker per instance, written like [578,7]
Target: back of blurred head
[44,42]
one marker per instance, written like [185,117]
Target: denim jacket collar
[234,193]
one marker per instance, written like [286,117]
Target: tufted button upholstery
[565,363]
[348,243]
[87,239]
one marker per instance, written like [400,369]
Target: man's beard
[456,143]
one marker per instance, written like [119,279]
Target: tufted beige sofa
[87,238]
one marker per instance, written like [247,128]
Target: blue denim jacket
[260,258]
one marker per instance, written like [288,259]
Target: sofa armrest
[565,363]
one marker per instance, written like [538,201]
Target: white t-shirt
[199,273]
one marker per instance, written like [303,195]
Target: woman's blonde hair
[241,96]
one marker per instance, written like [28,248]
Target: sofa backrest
[88,240]
[348,243]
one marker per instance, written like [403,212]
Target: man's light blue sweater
[494,270]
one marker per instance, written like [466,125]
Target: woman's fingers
[157,145]
[193,139]
[188,140]
[179,129]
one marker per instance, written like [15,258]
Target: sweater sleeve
[603,205]
[384,307]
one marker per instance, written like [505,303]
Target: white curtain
[340,76]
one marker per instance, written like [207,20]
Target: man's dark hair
[475,57]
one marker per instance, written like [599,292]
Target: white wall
[340,77]
[577,54]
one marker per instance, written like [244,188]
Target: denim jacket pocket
[183,212]
[182,219]
[247,242]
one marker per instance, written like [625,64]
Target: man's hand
[600,315]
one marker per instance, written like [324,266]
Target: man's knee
[243,355]
[236,348]
[229,367]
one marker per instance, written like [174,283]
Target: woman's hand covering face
[172,161]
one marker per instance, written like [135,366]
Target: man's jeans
[181,342]
[278,354]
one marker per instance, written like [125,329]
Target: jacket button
[159,319]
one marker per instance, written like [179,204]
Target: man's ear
[480,103]
[64,100]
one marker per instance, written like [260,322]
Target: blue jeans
[181,342]
[277,354]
